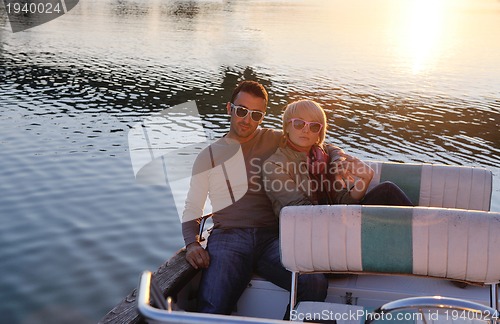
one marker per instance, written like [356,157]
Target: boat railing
[149,295]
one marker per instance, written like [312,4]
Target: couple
[293,167]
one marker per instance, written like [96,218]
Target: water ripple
[77,229]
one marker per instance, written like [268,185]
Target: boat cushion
[425,241]
[433,185]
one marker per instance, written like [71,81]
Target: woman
[305,171]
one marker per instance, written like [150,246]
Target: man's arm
[193,210]
[356,174]
[190,230]
[352,172]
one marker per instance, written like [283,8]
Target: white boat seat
[445,243]
[433,185]
[436,242]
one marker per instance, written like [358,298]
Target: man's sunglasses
[298,124]
[242,112]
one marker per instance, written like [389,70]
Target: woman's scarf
[318,161]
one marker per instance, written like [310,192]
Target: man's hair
[252,87]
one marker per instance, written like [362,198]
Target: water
[409,81]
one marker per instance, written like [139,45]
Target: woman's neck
[296,147]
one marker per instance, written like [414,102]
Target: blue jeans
[386,193]
[235,254]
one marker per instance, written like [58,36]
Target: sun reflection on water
[424,31]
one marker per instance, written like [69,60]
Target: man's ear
[228,107]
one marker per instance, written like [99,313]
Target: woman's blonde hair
[309,108]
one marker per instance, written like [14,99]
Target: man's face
[243,127]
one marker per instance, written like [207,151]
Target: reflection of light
[425,25]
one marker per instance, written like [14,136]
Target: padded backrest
[433,185]
[436,242]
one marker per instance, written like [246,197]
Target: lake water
[401,80]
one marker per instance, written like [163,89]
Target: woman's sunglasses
[242,112]
[298,124]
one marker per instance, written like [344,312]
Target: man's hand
[197,256]
[355,173]
[349,167]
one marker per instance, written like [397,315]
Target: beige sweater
[231,178]
[288,183]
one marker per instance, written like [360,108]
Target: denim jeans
[237,253]
[386,193]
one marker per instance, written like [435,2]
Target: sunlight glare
[422,36]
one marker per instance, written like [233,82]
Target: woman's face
[303,131]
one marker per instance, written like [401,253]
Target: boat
[437,262]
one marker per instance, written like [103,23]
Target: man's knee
[388,186]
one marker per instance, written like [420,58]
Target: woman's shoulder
[284,155]
[327,146]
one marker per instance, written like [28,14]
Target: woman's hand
[355,173]
[352,166]
[197,256]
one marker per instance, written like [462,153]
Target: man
[245,235]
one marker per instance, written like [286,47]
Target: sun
[423,32]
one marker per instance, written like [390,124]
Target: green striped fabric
[386,239]
[406,176]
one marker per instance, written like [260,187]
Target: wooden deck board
[171,276]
